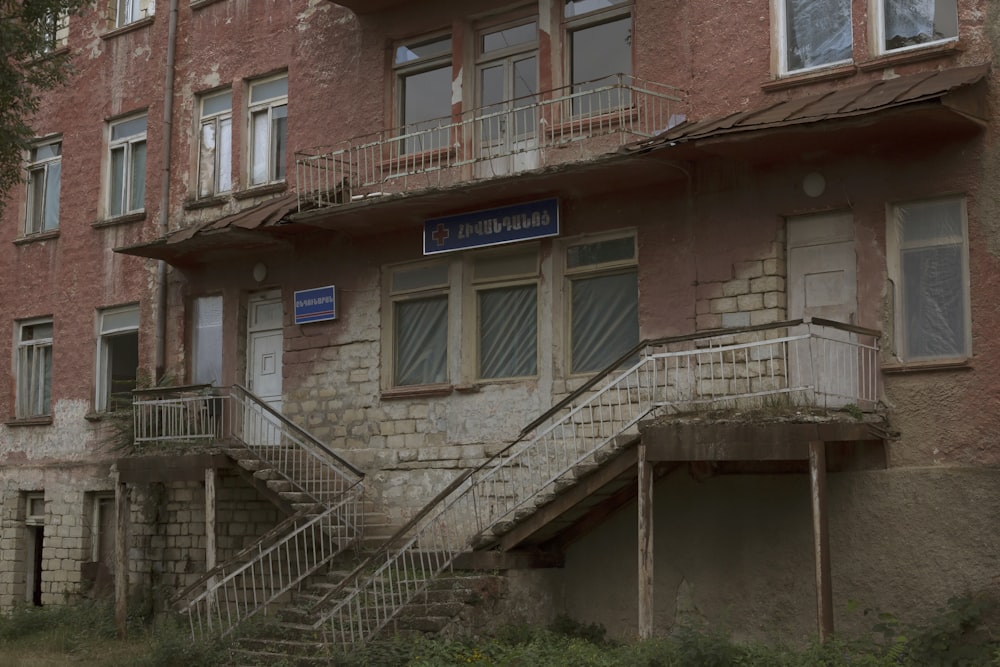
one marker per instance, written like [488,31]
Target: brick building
[379,243]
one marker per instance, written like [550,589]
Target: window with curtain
[215,144]
[603,302]
[34,369]
[932,280]
[268,130]
[507,314]
[206,367]
[913,23]
[127,179]
[419,303]
[816,33]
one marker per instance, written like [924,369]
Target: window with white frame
[929,267]
[505,285]
[908,24]
[44,177]
[117,357]
[102,529]
[423,93]
[268,130]
[206,344]
[130,11]
[127,166]
[599,37]
[418,296]
[603,302]
[215,144]
[55,31]
[34,369]
[813,34]
[508,83]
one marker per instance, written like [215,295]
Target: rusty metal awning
[938,90]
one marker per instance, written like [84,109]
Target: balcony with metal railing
[564,125]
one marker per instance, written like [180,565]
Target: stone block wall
[755,294]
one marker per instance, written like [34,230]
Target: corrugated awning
[841,104]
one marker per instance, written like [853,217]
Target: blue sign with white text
[316,305]
[507,224]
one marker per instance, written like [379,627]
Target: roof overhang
[878,117]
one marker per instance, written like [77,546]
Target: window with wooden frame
[904,25]
[929,268]
[127,166]
[423,93]
[117,357]
[215,143]
[599,47]
[504,287]
[418,308]
[34,369]
[44,182]
[603,296]
[507,85]
[268,115]
[812,34]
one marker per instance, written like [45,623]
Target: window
[814,33]
[34,369]
[127,178]
[603,302]
[55,31]
[506,292]
[207,340]
[507,84]
[419,311]
[268,130]
[215,144]
[130,11]
[102,529]
[117,357]
[423,89]
[931,278]
[904,24]
[44,175]
[599,33]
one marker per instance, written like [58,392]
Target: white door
[822,282]
[264,343]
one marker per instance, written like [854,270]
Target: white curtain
[818,32]
[508,326]
[605,320]
[421,332]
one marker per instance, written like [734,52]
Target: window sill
[120,220]
[198,4]
[206,202]
[41,236]
[134,25]
[817,76]
[914,56]
[29,421]
[895,368]
[58,52]
[418,391]
[260,190]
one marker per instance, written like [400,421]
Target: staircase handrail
[301,432]
[278,531]
[441,501]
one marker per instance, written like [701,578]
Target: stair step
[296,497]
[253,465]
[267,474]
[279,485]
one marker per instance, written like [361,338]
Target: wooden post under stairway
[756,446]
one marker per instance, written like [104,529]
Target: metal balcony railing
[795,363]
[547,128]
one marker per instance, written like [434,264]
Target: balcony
[565,125]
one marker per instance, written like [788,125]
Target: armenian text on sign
[495,226]
[316,304]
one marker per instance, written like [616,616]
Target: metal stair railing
[802,362]
[277,561]
[262,573]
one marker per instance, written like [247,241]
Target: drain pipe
[164,226]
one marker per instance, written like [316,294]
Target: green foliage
[170,644]
[24,74]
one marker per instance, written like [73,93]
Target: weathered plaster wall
[736,551]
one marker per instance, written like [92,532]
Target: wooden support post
[121,554]
[210,543]
[645,502]
[821,540]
